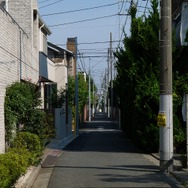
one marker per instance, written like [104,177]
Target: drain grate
[49,161]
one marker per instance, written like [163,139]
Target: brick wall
[12,40]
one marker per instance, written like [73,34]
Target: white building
[19,58]
[54,71]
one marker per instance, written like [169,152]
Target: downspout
[40,80]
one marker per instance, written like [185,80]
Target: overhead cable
[97,42]
[43,1]
[50,4]
[78,10]
[86,20]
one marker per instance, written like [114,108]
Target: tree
[137,80]
[82,93]
[137,83]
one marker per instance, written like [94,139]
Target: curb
[180,174]
[51,153]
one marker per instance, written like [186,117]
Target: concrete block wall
[10,45]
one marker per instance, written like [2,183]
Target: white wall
[10,58]
[61,76]
[55,72]
[62,129]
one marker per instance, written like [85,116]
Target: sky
[91,21]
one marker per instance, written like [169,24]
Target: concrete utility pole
[111,77]
[93,106]
[165,116]
[76,89]
[108,81]
[89,92]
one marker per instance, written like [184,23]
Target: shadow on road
[101,135]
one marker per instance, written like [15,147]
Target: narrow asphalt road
[101,156]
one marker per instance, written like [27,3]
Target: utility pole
[108,82]
[76,90]
[111,77]
[165,116]
[89,92]
[93,106]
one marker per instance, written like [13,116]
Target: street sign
[161,119]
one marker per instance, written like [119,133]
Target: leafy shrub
[25,151]
[30,142]
[5,179]
[50,131]
[22,113]
[13,165]
[36,123]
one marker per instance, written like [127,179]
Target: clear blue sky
[95,32]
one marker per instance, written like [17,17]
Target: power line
[78,10]
[86,20]
[93,52]
[17,58]
[43,1]
[82,63]
[51,4]
[96,56]
[97,42]
[94,49]
[145,8]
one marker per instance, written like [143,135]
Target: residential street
[102,157]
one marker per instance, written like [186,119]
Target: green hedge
[31,142]
[13,165]
[25,152]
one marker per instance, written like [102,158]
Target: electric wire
[17,58]
[82,63]
[97,42]
[78,10]
[43,1]
[50,4]
[86,20]
[145,8]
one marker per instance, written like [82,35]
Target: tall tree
[137,80]
[82,93]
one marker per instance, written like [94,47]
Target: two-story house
[54,69]
[23,34]
[19,58]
